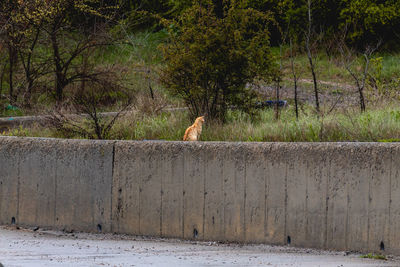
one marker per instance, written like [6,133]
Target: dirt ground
[37,247]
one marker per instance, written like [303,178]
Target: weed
[373,256]
[390,140]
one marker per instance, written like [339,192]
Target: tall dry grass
[381,124]
[374,125]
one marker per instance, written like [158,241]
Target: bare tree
[69,41]
[308,45]
[349,57]
[10,38]
[34,67]
[86,104]
[278,80]
[26,59]
[15,31]
[2,73]
[64,69]
[295,78]
[20,36]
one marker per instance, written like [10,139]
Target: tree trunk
[294,79]
[11,52]
[278,84]
[149,83]
[315,84]
[59,87]
[309,55]
[60,82]
[2,79]
[28,94]
[361,89]
[295,99]
[277,100]
[362,101]
[28,69]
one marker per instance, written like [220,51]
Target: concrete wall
[343,196]
[64,184]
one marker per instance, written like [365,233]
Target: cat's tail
[185,136]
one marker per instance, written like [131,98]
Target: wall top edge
[202,143]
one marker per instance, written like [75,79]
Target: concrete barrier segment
[65,184]
[342,196]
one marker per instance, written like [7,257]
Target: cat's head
[200,120]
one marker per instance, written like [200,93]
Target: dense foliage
[364,21]
[211,58]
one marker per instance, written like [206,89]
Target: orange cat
[193,132]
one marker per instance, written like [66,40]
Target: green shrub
[212,57]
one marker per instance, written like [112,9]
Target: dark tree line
[365,20]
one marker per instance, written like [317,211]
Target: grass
[378,125]
[138,48]
[373,256]
[390,66]
[374,125]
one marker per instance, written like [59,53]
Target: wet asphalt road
[26,247]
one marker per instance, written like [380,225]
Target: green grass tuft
[373,256]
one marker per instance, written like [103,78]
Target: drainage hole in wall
[13,220]
[289,240]
[195,233]
[99,227]
[382,246]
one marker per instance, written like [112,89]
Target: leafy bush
[212,57]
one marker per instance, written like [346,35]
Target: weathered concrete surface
[393,232]
[9,181]
[343,196]
[53,248]
[322,195]
[83,185]
[56,183]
